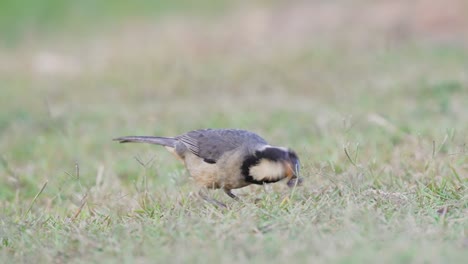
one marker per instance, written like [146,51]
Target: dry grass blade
[83,203]
[35,198]
[349,157]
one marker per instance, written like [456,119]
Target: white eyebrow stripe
[269,146]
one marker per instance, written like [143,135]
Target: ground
[372,95]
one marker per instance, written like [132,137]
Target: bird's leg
[230,194]
[212,201]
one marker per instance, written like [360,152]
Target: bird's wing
[211,144]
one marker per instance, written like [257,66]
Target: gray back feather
[211,144]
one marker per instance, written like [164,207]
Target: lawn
[372,96]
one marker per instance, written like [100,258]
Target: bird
[228,158]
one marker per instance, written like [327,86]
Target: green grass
[381,132]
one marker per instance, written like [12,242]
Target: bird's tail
[163,141]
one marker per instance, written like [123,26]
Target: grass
[20,21]
[381,131]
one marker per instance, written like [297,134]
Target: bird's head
[271,164]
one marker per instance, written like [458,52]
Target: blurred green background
[371,94]
[20,19]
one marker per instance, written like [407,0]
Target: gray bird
[228,158]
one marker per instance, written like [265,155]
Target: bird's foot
[230,194]
[210,200]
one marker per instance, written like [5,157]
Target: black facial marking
[210,161]
[250,161]
[273,154]
[251,180]
[292,155]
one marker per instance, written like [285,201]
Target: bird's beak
[292,169]
[297,167]
[296,181]
[292,173]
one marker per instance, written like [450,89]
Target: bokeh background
[373,96]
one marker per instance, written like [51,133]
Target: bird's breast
[205,174]
[224,173]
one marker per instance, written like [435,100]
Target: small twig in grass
[77,170]
[77,175]
[145,176]
[349,158]
[137,158]
[144,164]
[35,198]
[356,152]
[433,148]
[83,202]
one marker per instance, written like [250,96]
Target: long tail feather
[163,141]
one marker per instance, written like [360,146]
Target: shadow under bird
[228,158]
